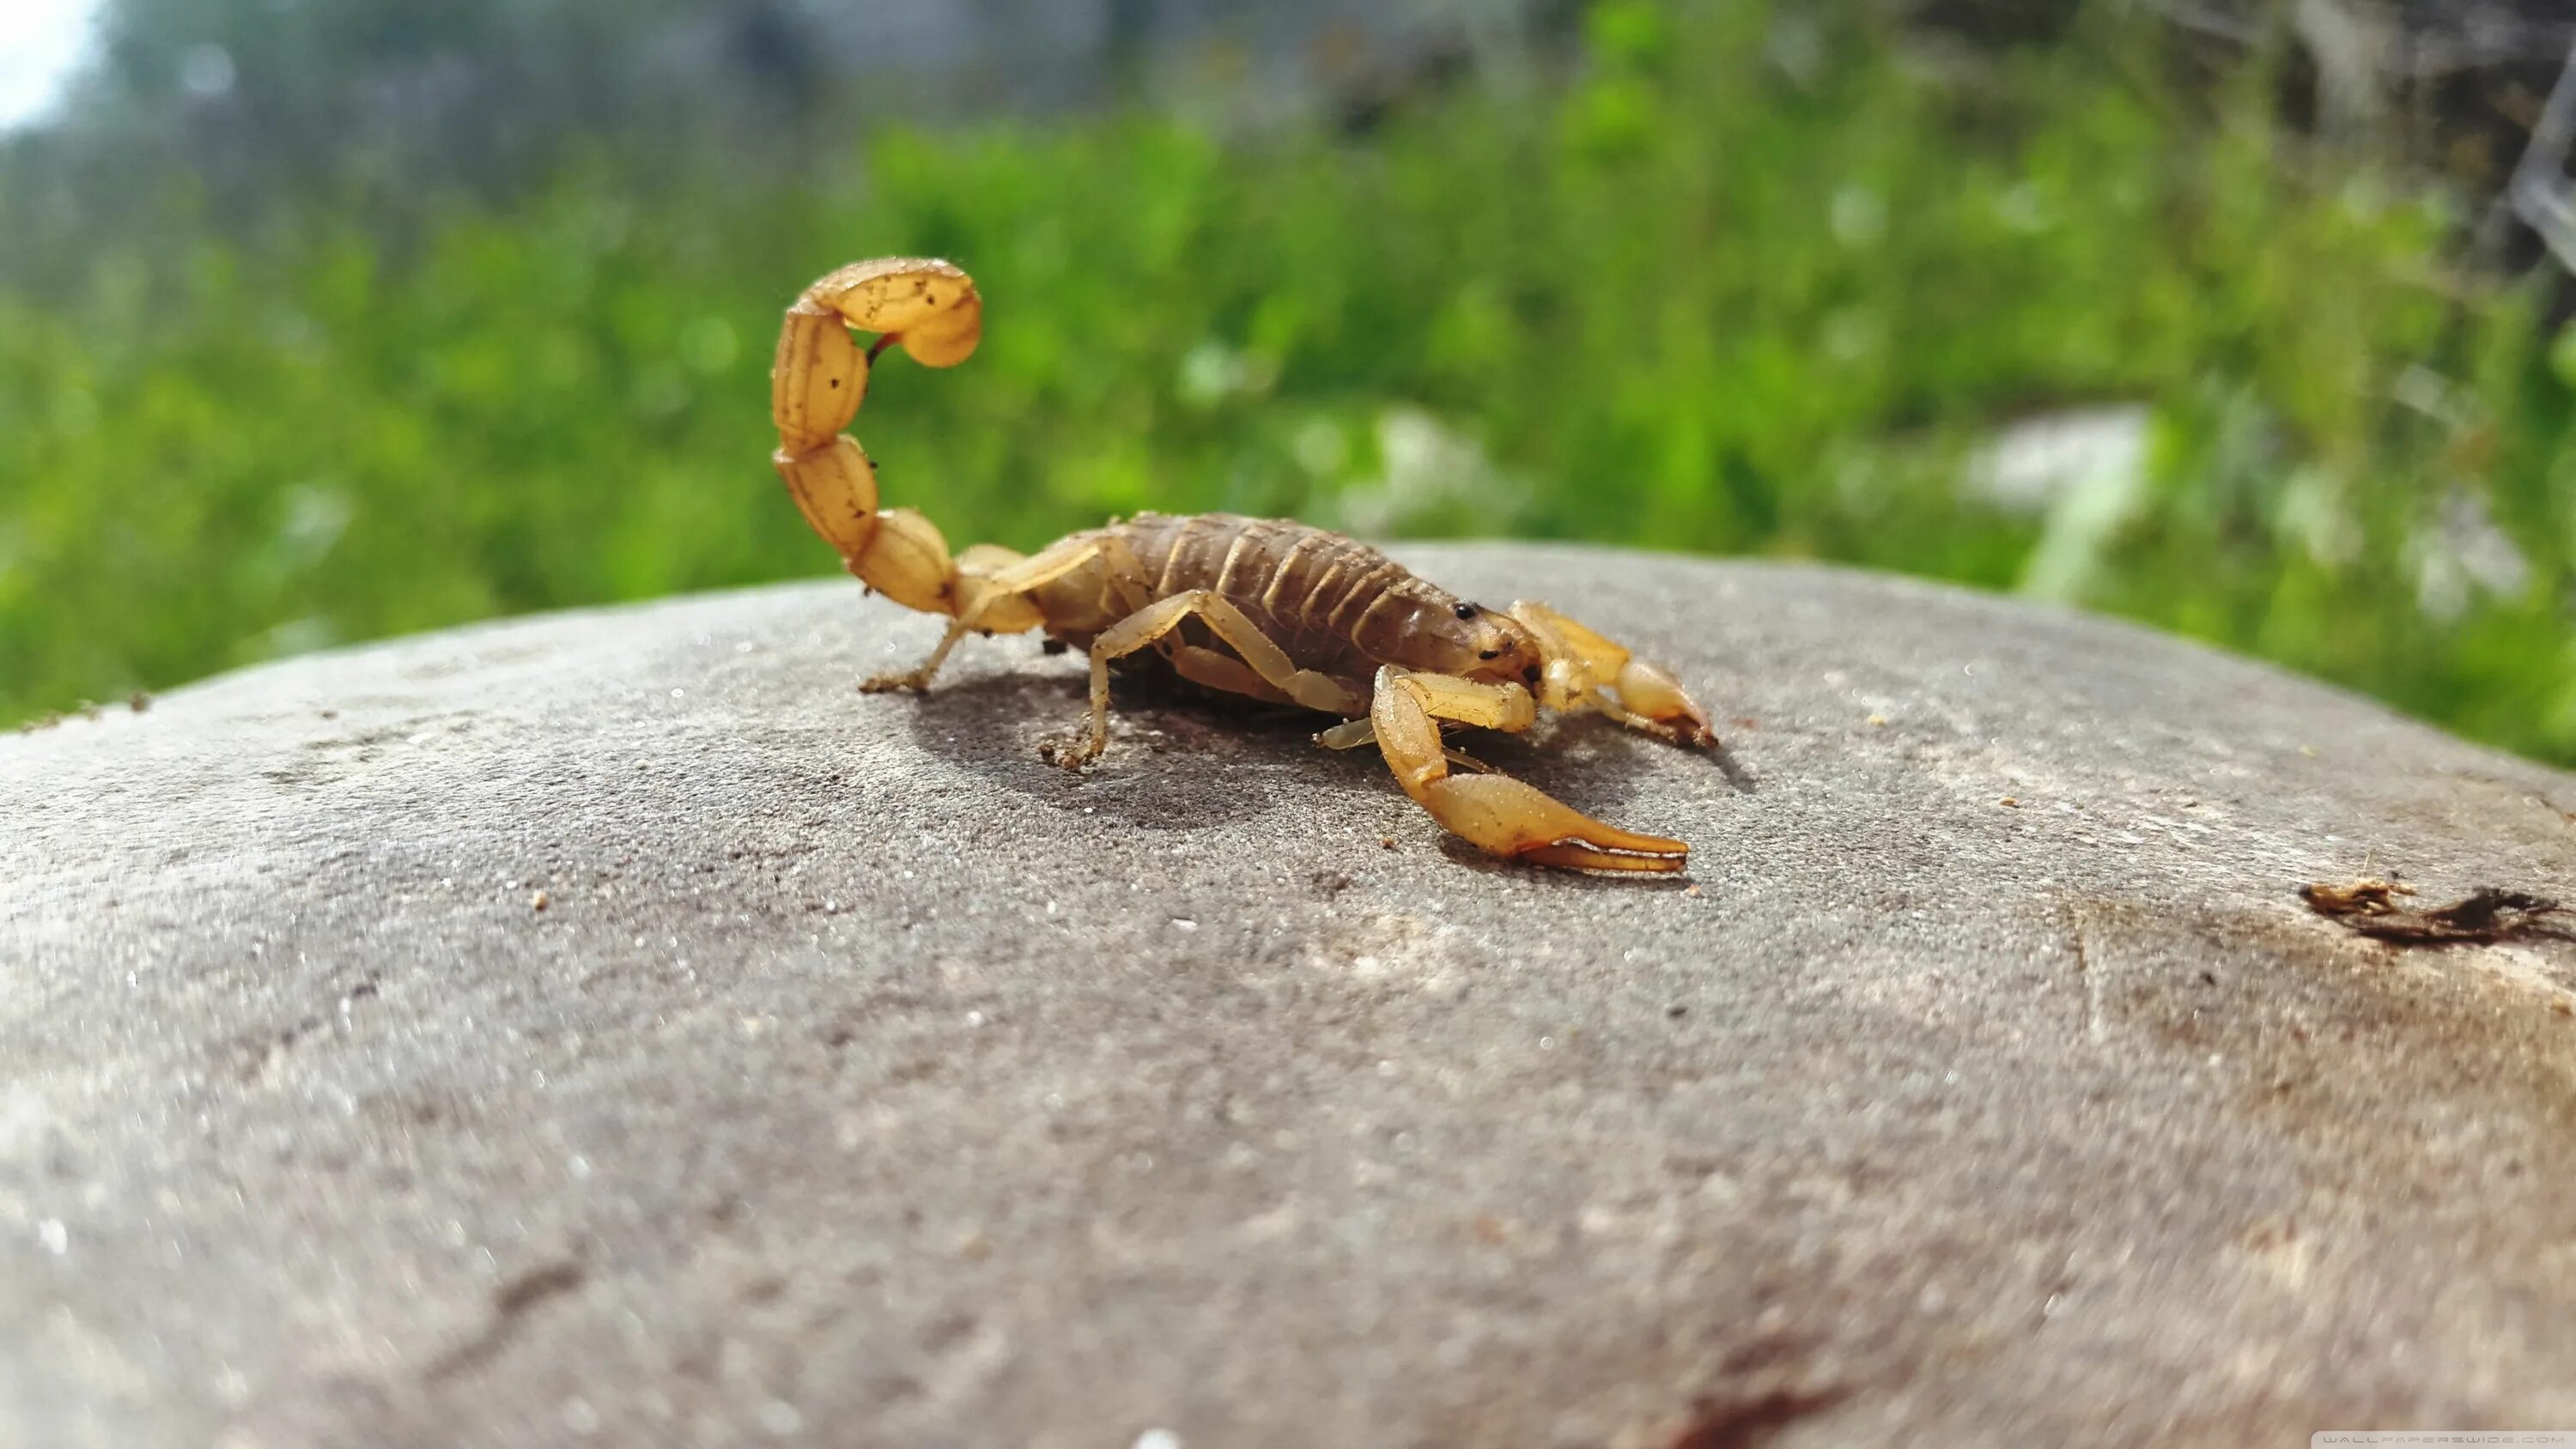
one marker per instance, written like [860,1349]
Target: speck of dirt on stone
[540,901]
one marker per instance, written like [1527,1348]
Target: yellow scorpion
[1265,608]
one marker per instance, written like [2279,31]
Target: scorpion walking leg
[1586,670]
[1350,734]
[1265,659]
[1496,812]
[1218,670]
[992,588]
[917,679]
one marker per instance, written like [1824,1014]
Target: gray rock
[866,1080]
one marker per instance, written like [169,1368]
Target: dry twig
[2483,917]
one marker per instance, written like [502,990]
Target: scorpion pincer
[1265,608]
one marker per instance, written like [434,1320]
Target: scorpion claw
[1586,670]
[1584,857]
[1660,707]
[1495,812]
[1513,819]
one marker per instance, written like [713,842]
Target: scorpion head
[1498,649]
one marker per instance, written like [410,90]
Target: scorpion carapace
[1283,612]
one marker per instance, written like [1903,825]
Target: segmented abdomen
[1333,603]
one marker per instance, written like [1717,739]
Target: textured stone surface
[867,1080]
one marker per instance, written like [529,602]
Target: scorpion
[1268,609]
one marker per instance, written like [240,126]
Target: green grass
[1687,299]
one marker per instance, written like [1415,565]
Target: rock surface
[865,1080]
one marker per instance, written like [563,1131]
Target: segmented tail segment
[928,308]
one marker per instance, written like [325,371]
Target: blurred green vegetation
[1743,281]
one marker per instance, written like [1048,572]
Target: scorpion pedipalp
[1588,670]
[1496,812]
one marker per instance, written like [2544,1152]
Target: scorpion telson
[1268,609]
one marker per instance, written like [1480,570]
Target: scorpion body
[1268,609]
[1333,604]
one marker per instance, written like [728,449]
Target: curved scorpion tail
[931,310]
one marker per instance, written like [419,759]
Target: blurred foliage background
[327,319]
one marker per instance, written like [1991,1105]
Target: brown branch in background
[2483,917]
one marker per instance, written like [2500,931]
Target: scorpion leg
[992,585]
[1586,670]
[1350,734]
[1223,671]
[1496,812]
[917,678]
[1266,661]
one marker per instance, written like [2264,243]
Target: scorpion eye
[1468,611]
